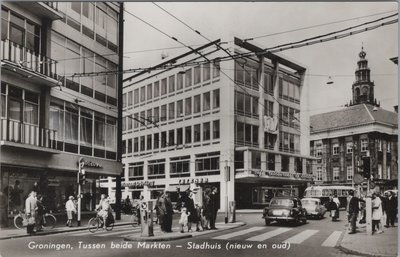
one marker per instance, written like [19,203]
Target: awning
[174,188]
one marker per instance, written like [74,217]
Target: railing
[27,58]
[18,132]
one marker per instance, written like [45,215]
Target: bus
[323,193]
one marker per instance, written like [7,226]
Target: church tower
[363,87]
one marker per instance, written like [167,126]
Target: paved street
[316,238]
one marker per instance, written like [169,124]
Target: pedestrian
[206,210]
[128,205]
[30,211]
[70,207]
[391,209]
[40,213]
[199,212]
[183,221]
[214,199]
[376,214]
[193,217]
[169,211]
[353,210]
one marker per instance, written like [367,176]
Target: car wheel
[267,222]
[303,221]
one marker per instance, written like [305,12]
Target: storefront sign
[137,183]
[283,174]
[90,164]
[53,182]
[193,180]
[271,124]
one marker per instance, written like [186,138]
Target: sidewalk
[377,245]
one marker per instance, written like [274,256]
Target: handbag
[25,222]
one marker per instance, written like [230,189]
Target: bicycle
[49,220]
[97,222]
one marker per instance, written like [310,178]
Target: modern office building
[340,139]
[52,112]
[200,120]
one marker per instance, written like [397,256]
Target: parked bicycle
[97,222]
[49,220]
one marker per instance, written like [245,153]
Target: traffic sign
[358,178]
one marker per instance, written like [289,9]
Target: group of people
[34,211]
[386,205]
[201,215]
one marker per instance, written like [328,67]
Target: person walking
[71,209]
[192,218]
[353,211]
[169,211]
[40,213]
[214,199]
[391,209]
[206,209]
[376,214]
[30,211]
[161,211]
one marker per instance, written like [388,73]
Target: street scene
[191,128]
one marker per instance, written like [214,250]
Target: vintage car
[284,209]
[314,207]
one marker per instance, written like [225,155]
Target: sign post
[81,164]
[227,179]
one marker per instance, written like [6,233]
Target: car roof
[310,198]
[285,197]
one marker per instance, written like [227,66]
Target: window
[163,113]
[239,72]
[180,165]
[156,89]
[349,173]
[86,128]
[379,171]
[156,168]
[156,140]
[349,147]
[336,173]
[335,149]
[171,137]
[240,132]
[379,145]
[216,98]
[149,91]
[197,133]
[216,69]
[206,101]
[197,74]
[318,149]
[179,109]
[188,135]
[136,145]
[156,116]
[364,145]
[149,142]
[206,131]
[142,143]
[255,105]
[207,162]
[31,108]
[318,176]
[171,111]
[206,71]
[188,78]
[142,94]
[135,170]
[247,104]
[179,136]
[215,129]
[188,106]
[179,81]
[239,102]
[388,147]
[124,102]
[136,97]
[163,139]
[171,84]
[56,118]
[163,86]
[285,163]
[129,146]
[197,104]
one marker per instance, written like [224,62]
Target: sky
[337,58]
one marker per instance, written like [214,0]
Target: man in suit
[30,211]
[391,209]
[168,212]
[353,211]
[214,200]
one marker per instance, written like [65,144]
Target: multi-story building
[200,121]
[54,111]
[340,139]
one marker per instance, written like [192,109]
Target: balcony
[28,64]
[27,136]
[45,10]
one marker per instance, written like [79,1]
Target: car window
[284,202]
[309,202]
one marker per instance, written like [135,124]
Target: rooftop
[352,116]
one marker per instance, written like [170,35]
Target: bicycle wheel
[18,222]
[49,221]
[93,225]
[134,220]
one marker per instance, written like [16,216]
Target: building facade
[53,112]
[201,122]
[341,139]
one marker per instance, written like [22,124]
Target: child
[183,221]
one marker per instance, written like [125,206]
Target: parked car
[284,209]
[314,207]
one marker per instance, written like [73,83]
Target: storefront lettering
[90,164]
[137,183]
[283,174]
[186,181]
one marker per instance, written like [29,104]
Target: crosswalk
[258,234]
